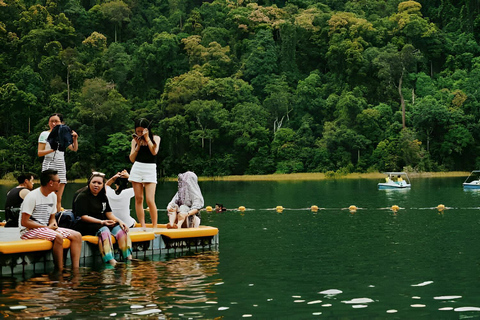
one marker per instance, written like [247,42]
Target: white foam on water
[447,297]
[425,283]
[418,305]
[359,306]
[314,302]
[358,301]
[392,311]
[331,292]
[136,306]
[223,308]
[462,309]
[446,309]
[145,312]
[18,307]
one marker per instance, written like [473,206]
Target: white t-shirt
[59,155]
[120,204]
[39,207]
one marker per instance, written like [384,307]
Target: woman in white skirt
[54,158]
[143,174]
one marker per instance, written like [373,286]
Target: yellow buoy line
[352,208]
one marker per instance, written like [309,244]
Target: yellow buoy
[314,208]
[352,208]
[241,208]
[395,208]
[209,208]
[440,207]
[279,208]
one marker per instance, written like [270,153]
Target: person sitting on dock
[15,199]
[184,208]
[119,198]
[90,203]
[38,220]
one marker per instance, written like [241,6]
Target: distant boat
[395,180]
[473,180]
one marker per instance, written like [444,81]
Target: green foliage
[235,87]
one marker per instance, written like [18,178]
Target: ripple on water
[463,309]
[358,301]
[331,292]
[422,284]
[447,297]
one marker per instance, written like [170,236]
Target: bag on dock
[65,219]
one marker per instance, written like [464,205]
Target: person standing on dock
[15,199]
[143,175]
[38,220]
[54,155]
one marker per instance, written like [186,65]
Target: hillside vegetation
[245,87]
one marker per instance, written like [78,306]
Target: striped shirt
[39,207]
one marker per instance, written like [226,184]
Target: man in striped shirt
[38,220]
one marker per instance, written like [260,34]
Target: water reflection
[141,287]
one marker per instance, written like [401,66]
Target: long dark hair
[144,123]
[122,184]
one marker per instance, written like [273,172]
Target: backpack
[66,219]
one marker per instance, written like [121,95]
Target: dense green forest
[244,86]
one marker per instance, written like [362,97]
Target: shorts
[45,233]
[143,172]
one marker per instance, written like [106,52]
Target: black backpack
[66,219]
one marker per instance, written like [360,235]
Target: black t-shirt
[85,203]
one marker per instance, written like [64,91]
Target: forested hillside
[245,86]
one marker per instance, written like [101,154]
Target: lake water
[370,264]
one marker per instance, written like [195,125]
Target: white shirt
[120,204]
[49,157]
[39,207]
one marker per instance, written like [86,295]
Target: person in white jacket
[184,208]
[119,198]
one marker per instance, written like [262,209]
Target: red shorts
[45,233]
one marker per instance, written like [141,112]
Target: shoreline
[297,177]
[323,176]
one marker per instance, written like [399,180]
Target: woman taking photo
[143,174]
[53,158]
[91,207]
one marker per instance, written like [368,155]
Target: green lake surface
[371,264]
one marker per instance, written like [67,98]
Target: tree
[392,67]
[117,12]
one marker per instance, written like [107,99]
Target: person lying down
[184,208]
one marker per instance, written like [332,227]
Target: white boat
[395,180]
[473,180]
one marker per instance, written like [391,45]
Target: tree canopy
[245,87]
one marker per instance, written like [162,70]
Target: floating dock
[18,256]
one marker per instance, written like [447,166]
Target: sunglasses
[98,174]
